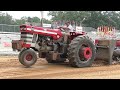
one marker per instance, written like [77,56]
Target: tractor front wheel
[28,57]
[20,54]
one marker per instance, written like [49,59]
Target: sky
[19,14]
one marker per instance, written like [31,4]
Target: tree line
[5,18]
[88,18]
[85,18]
[13,24]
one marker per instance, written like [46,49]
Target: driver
[68,27]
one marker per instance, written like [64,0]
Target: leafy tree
[36,20]
[46,21]
[92,18]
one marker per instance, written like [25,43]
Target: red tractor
[55,45]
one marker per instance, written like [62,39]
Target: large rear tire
[28,57]
[81,52]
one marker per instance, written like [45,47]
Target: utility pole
[41,23]
[81,22]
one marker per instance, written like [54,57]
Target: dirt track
[10,68]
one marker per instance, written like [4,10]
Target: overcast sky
[19,14]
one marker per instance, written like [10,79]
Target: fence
[89,29]
[9,28]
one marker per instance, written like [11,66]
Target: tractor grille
[26,37]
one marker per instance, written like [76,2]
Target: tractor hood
[55,33]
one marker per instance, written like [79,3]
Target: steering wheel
[61,29]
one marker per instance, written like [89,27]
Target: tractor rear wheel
[28,57]
[81,52]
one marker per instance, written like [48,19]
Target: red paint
[40,29]
[96,41]
[75,34]
[118,43]
[26,45]
[6,44]
[49,34]
[43,31]
[28,57]
[87,52]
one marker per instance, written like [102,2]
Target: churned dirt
[10,68]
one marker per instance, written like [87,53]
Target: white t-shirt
[71,28]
